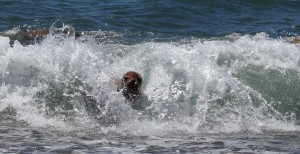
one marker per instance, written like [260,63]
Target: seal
[130,84]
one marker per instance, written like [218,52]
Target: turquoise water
[219,77]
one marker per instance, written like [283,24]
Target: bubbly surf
[218,76]
[203,86]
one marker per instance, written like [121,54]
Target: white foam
[21,99]
[184,82]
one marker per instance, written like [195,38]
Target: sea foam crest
[199,87]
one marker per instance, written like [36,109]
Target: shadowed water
[25,140]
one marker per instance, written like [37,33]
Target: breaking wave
[236,83]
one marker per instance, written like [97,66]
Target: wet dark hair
[132,82]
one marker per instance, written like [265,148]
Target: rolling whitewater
[218,76]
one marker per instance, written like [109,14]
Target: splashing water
[224,85]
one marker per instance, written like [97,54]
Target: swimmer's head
[132,84]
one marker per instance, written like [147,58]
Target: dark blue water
[219,76]
[184,18]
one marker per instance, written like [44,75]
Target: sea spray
[216,85]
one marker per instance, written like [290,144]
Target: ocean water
[219,76]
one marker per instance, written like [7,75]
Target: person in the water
[131,87]
[130,84]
